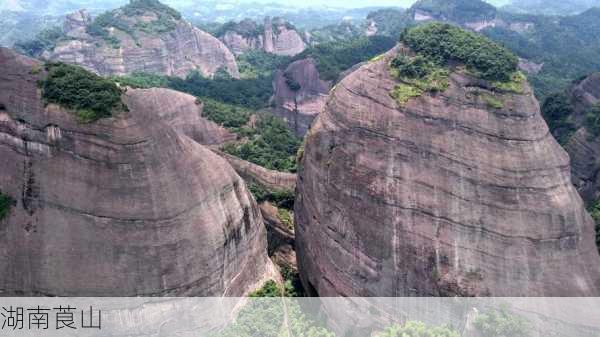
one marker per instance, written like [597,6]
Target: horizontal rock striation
[441,196]
[177,52]
[125,206]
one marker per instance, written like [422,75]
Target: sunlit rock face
[174,52]
[441,196]
[125,206]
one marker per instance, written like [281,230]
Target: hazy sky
[354,3]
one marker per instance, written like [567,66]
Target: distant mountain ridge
[551,7]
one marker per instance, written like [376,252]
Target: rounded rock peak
[456,192]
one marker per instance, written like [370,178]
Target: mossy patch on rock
[514,84]
[489,99]
[417,75]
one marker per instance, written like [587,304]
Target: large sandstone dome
[144,36]
[129,205]
[451,193]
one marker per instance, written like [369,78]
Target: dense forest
[568,47]
[335,57]
[90,96]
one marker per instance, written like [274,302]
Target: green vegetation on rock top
[6,202]
[139,7]
[90,96]
[418,75]
[443,43]
[164,22]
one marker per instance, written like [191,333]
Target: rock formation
[275,36]
[442,195]
[125,206]
[583,147]
[301,104]
[270,179]
[144,39]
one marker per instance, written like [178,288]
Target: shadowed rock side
[174,53]
[299,107]
[125,206]
[441,196]
[583,147]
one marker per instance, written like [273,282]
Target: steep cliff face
[128,205]
[275,36]
[299,94]
[443,195]
[583,147]
[143,39]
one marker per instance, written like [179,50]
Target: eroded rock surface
[141,47]
[274,36]
[125,206]
[299,107]
[441,196]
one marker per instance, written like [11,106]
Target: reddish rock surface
[442,196]
[299,108]
[125,206]
[275,37]
[174,53]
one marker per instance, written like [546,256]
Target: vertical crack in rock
[441,196]
[132,205]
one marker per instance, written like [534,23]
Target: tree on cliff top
[442,43]
[89,95]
